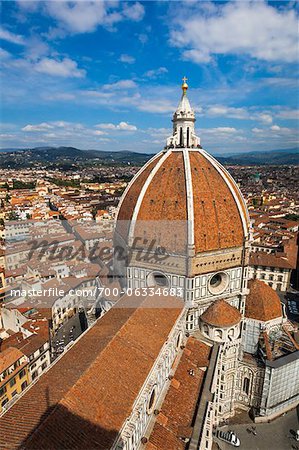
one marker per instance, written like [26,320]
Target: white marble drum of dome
[183,199]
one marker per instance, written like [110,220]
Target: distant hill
[70,157]
[275,157]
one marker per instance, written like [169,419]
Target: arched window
[188,136]
[206,329]
[181,136]
[246,385]
[218,334]
[179,340]
[152,401]
[231,333]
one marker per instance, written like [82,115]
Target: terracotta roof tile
[262,302]
[8,357]
[217,218]
[179,405]
[269,260]
[165,200]
[129,201]
[221,314]
[84,399]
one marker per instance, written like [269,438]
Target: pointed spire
[183,123]
[184,85]
[184,106]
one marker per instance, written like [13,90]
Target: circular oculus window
[157,279]
[218,283]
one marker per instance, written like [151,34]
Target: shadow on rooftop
[60,429]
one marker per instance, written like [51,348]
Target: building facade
[14,376]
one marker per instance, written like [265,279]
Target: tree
[13,216]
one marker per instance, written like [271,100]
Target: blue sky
[106,75]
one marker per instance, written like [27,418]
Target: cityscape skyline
[106,76]
[159,313]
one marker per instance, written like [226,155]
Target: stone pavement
[277,435]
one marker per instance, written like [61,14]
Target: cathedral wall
[195,289]
[218,260]
[250,383]
[153,390]
[225,380]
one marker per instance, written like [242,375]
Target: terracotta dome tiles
[217,216]
[262,302]
[221,314]
[217,219]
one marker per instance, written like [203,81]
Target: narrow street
[70,331]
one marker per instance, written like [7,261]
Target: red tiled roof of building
[262,302]
[8,357]
[31,344]
[84,399]
[269,260]
[11,341]
[176,415]
[221,314]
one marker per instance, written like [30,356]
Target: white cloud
[126,126]
[106,126]
[252,113]
[288,114]
[122,126]
[4,54]
[280,82]
[7,136]
[134,12]
[257,130]
[39,127]
[11,37]
[143,38]
[36,48]
[122,84]
[265,118]
[281,130]
[276,131]
[231,112]
[99,133]
[86,16]
[127,59]
[275,128]
[154,73]
[78,17]
[64,96]
[64,68]
[155,105]
[256,29]
[222,130]
[197,56]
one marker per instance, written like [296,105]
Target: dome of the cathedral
[221,314]
[184,185]
[262,302]
[180,185]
